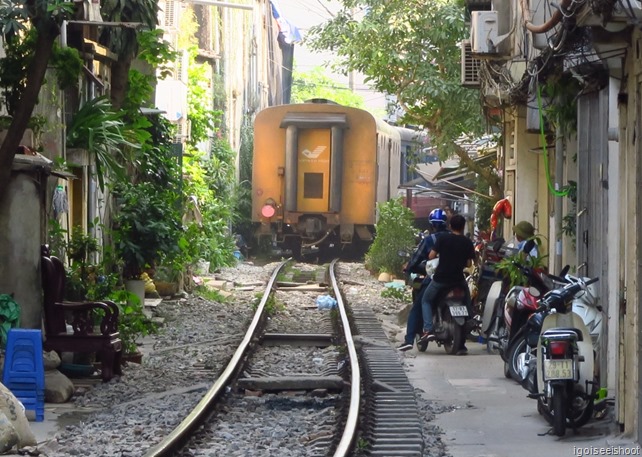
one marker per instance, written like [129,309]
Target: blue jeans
[414,324]
[429,296]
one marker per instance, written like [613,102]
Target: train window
[313,185]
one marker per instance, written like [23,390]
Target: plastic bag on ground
[326,302]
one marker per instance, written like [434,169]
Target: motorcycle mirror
[534,292]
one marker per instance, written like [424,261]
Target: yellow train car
[319,169]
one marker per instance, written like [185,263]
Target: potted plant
[146,229]
[132,325]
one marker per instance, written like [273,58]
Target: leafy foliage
[569,221]
[100,130]
[208,185]
[156,51]
[395,232]
[132,322]
[509,266]
[122,40]
[13,68]
[242,212]
[561,111]
[19,22]
[412,51]
[86,278]
[203,118]
[483,206]
[316,84]
[68,65]
[146,228]
[400,294]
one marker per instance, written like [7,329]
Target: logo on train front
[315,153]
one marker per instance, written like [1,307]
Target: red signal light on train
[268,211]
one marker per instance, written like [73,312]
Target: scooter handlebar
[559,297]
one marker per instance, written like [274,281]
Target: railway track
[288,396]
[327,391]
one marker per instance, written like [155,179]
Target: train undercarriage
[313,237]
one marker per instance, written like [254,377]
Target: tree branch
[35,77]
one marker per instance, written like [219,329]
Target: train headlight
[268,211]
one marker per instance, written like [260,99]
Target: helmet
[437,218]
[524,230]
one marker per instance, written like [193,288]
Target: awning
[463,172]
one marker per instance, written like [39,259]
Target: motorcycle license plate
[458,311]
[558,369]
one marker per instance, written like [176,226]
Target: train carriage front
[317,175]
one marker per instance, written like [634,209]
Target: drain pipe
[558,204]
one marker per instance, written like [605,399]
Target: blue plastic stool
[24,373]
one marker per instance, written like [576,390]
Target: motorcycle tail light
[558,348]
[456,293]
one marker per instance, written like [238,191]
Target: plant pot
[165,288]
[137,288]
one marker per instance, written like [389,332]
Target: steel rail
[198,415]
[346,444]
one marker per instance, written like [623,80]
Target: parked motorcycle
[506,312]
[585,304]
[561,372]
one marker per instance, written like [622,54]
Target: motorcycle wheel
[559,410]
[580,410]
[507,374]
[422,345]
[452,345]
[515,358]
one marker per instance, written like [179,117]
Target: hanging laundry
[60,202]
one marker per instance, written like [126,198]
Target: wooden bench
[102,339]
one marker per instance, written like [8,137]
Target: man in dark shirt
[456,252]
[417,264]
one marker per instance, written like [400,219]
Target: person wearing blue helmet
[459,253]
[417,264]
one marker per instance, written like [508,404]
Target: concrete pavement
[492,417]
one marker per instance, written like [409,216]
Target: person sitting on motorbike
[417,264]
[456,252]
[524,234]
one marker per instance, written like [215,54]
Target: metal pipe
[555,18]
[558,204]
[291,168]
[336,169]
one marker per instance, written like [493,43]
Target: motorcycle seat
[561,331]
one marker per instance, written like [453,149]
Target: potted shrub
[132,325]
[146,229]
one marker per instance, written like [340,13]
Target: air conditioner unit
[469,66]
[484,34]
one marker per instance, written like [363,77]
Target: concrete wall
[525,181]
[629,207]
[20,235]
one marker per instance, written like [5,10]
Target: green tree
[395,232]
[122,40]
[316,84]
[19,21]
[411,49]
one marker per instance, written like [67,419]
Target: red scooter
[506,312]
